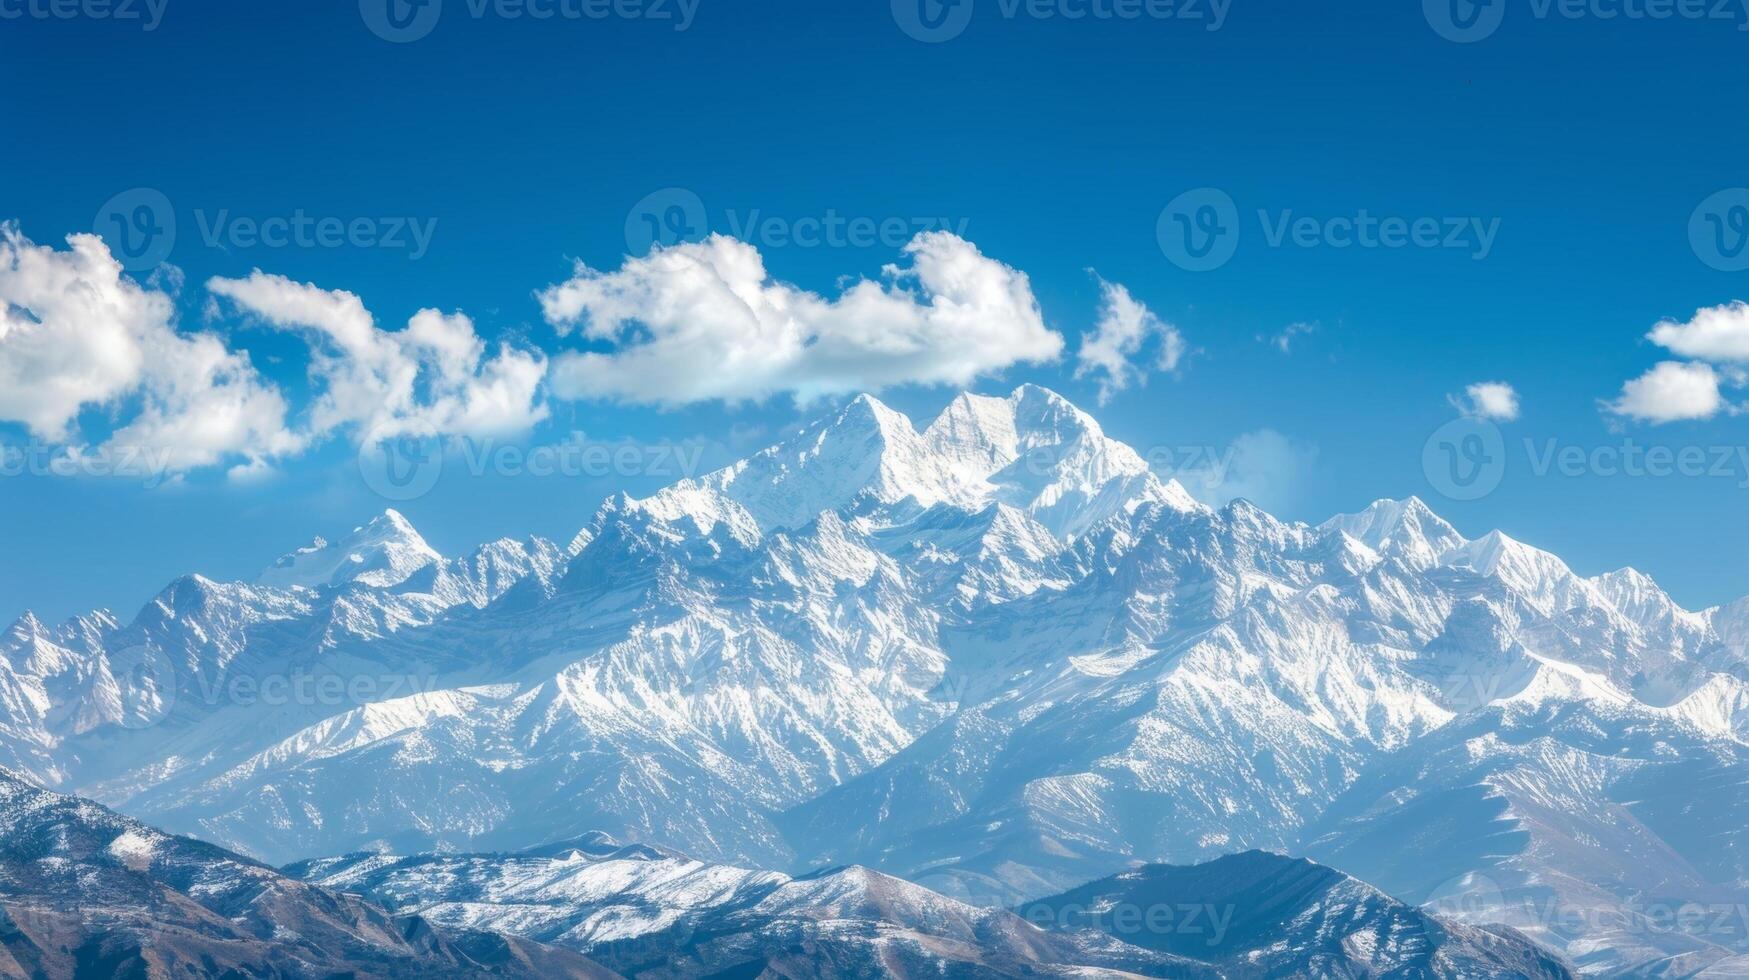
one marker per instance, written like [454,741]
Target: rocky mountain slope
[1263,915]
[85,892]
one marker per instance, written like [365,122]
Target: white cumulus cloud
[704,321]
[1670,392]
[1716,339]
[76,334]
[434,377]
[1125,325]
[1495,401]
[1716,333]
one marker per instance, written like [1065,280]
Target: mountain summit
[1032,450]
[379,554]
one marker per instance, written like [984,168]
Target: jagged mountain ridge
[652,912]
[996,656]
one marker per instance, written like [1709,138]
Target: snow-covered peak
[1039,409]
[1731,621]
[25,627]
[27,645]
[1636,596]
[1498,554]
[380,554]
[88,631]
[975,434]
[865,451]
[1405,529]
[980,436]
[1032,450]
[1533,574]
[1053,460]
[32,645]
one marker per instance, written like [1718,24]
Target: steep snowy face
[1037,452]
[1403,529]
[864,455]
[380,554]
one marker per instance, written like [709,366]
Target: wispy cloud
[1289,335]
[1265,467]
[435,377]
[1124,327]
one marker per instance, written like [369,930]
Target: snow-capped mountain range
[996,656]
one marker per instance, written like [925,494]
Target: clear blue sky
[1586,143]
